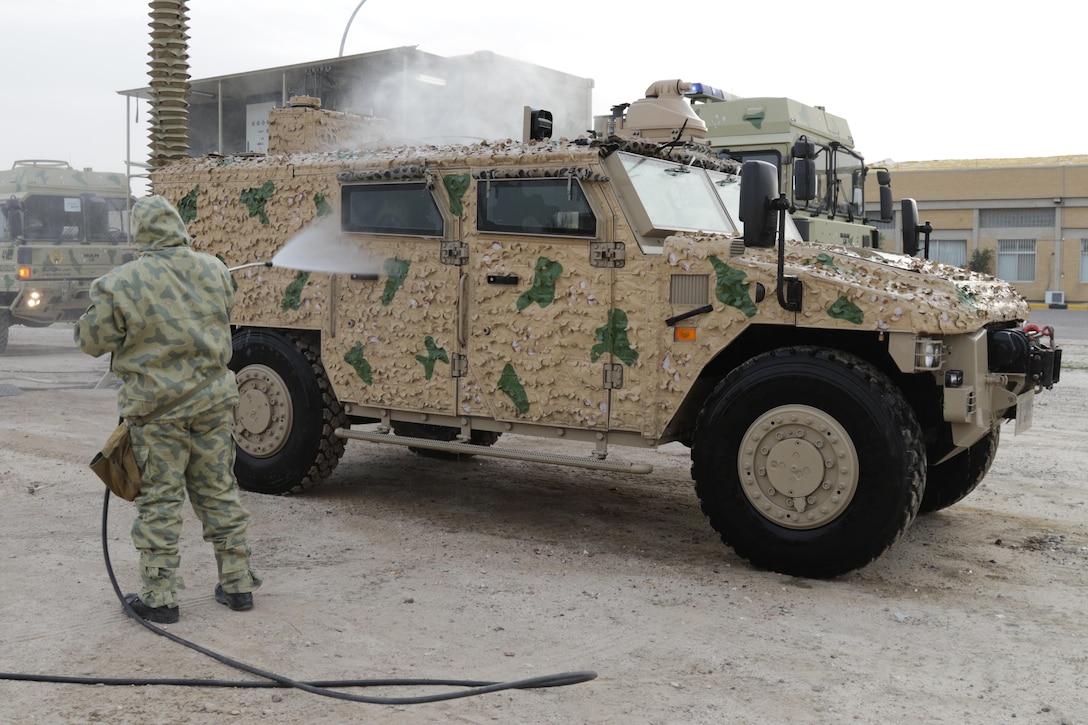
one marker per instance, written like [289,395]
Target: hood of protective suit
[158,225]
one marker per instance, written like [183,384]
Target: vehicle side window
[534,206]
[405,208]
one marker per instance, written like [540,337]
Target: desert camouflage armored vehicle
[59,229]
[598,293]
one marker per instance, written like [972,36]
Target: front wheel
[952,481]
[5,325]
[287,415]
[808,462]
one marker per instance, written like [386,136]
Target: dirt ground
[402,566]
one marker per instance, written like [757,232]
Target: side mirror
[14,214]
[804,180]
[910,227]
[804,170]
[883,177]
[885,203]
[758,189]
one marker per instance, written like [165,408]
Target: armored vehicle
[60,228]
[597,293]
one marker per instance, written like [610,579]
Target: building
[1030,214]
[425,98]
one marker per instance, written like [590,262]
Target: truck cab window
[534,206]
[53,218]
[107,219]
[406,208]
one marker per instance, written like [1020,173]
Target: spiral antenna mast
[169,71]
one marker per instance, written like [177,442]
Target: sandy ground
[401,566]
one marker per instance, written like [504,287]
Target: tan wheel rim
[262,420]
[798,467]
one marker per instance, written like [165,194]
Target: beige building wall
[1016,208]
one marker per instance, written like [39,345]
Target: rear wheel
[952,481]
[287,415]
[808,462]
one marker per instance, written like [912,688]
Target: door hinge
[455,253]
[458,365]
[613,376]
[607,254]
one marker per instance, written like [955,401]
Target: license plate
[1025,408]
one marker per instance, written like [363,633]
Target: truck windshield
[675,198]
[728,188]
[851,181]
[840,184]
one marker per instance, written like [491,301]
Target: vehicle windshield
[675,197]
[840,184]
[851,180]
[728,188]
[75,218]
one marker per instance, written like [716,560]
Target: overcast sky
[916,80]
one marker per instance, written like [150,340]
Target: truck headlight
[33,299]
[928,354]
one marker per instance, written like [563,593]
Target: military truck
[595,293]
[820,170]
[60,228]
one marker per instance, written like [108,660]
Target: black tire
[441,433]
[952,481]
[793,510]
[287,415]
[5,325]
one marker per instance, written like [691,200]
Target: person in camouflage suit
[165,319]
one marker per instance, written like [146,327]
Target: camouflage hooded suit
[165,318]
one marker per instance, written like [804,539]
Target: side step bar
[494,452]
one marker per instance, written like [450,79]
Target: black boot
[158,615]
[239,602]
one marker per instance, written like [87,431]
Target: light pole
[347,27]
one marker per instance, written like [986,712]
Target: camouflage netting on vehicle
[687,154]
[301,129]
[391,333]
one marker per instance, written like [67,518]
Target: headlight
[928,354]
[33,299]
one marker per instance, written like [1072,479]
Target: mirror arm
[926,229]
[788,290]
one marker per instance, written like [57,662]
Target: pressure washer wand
[251,264]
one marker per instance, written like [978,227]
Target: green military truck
[60,228]
[820,170]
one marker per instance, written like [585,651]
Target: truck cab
[60,228]
[820,170]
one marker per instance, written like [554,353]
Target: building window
[1016,260]
[1015,218]
[1084,260]
[949,251]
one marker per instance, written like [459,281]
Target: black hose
[271,679]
